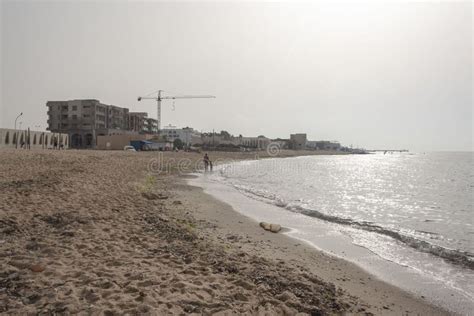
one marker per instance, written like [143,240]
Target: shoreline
[98,233]
[381,297]
[323,236]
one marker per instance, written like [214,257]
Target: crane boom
[190,97]
[159,98]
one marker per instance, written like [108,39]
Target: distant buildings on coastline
[88,123]
[85,120]
[324,145]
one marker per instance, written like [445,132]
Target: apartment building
[140,122]
[84,120]
[136,121]
[298,141]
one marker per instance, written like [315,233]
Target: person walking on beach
[206,162]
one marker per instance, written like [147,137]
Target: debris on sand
[37,267]
[274,228]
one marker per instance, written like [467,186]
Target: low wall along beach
[15,138]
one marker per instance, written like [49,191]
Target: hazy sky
[371,74]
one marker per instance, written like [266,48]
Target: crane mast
[159,97]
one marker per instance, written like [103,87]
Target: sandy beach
[107,233]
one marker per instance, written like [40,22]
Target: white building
[187,135]
[15,138]
[260,142]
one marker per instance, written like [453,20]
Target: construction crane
[159,97]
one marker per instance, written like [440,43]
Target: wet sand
[105,233]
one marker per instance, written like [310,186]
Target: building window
[74,107]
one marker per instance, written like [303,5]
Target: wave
[461,258]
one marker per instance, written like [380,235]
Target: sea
[407,218]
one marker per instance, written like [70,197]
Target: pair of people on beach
[207,163]
[57,145]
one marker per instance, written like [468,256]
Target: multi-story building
[136,121]
[84,120]
[298,141]
[141,123]
[187,135]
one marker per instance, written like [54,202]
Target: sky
[369,74]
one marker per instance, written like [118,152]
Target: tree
[225,134]
[178,143]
